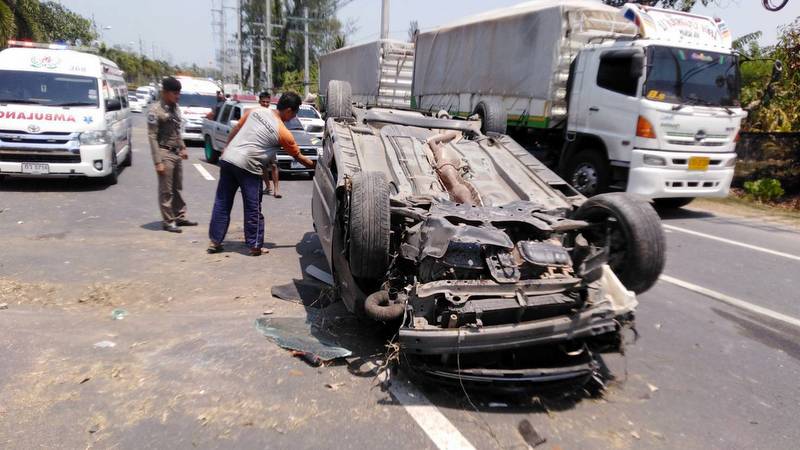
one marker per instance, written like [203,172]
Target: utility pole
[385,19]
[141,48]
[268,36]
[239,40]
[306,82]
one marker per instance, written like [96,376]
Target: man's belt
[172,149]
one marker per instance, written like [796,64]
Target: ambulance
[63,113]
[198,98]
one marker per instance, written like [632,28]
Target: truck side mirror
[113,104]
[637,65]
[777,71]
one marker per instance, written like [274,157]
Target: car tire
[588,172]
[212,156]
[339,100]
[368,244]
[672,203]
[113,178]
[494,117]
[638,246]
[128,162]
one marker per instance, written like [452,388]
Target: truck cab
[63,113]
[658,116]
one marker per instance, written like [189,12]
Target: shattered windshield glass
[692,76]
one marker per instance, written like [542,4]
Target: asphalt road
[189,369]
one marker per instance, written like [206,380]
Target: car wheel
[672,203]
[632,230]
[339,100]
[112,178]
[494,117]
[212,156]
[369,226]
[128,162]
[588,172]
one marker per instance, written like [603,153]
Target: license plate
[296,165]
[698,163]
[35,168]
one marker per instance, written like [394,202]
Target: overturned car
[495,269]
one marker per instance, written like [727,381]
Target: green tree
[19,20]
[782,112]
[60,24]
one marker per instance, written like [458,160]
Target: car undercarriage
[494,270]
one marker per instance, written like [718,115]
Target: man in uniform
[254,141]
[166,145]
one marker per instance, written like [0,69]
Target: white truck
[63,113]
[633,98]
[379,73]
[198,98]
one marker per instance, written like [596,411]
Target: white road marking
[728,241]
[440,430]
[203,172]
[741,304]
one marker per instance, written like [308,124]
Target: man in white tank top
[256,139]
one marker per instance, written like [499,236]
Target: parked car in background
[311,120]
[137,102]
[63,113]
[216,132]
[148,93]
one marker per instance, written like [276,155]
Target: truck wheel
[588,172]
[112,178]
[672,203]
[339,100]
[638,248]
[494,117]
[212,156]
[369,226]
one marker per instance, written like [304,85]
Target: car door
[323,198]
[612,106]
[221,128]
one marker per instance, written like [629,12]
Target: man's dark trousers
[231,178]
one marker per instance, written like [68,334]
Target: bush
[765,189]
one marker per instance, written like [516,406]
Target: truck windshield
[692,76]
[198,100]
[307,113]
[48,89]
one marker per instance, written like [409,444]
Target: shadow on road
[681,213]
[52,185]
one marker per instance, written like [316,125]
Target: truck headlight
[652,160]
[731,163]
[320,152]
[95,138]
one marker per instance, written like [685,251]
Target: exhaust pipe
[447,166]
[379,307]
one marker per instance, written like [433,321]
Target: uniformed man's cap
[170,84]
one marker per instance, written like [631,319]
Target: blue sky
[181,29]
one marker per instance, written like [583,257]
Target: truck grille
[315,128]
[306,151]
[40,157]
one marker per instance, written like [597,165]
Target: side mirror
[113,105]
[233,123]
[637,65]
[777,71]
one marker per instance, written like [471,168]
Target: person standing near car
[271,173]
[255,140]
[168,150]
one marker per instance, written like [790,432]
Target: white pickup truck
[215,136]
